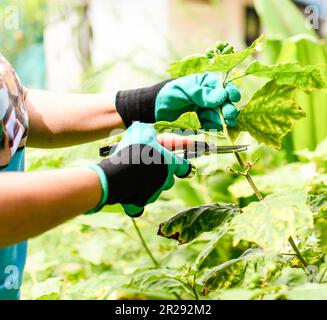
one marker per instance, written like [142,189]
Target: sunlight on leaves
[212,279]
[189,224]
[223,63]
[270,114]
[289,176]
[307,77]
[271,222]
[187,121]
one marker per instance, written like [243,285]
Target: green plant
[31,21]
[247,233]
[272,220]
[290,39]
[220,49]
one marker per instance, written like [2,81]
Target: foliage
[290,20]
[240,246]
[307,78]
[270,114]
[32,15]
[187,121]
[283,178]
[289,40]
[214,276]
[270,222]
[201,63]
[190,223]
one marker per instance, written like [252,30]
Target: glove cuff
[138,104]
[104,187]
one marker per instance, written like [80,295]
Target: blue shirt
[12,259]
[13,135]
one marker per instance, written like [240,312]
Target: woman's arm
[62,119]
[32,203]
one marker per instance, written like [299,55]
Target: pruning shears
[183,147]
[186,148]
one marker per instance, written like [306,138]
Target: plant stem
[297,252]
[225,79]
[193,287]
[322,276]
[155,262]
[190,288]
[238,77]
[253,185]
[146,248]
[208,249]
[248,177]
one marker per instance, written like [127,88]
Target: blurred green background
[93,46]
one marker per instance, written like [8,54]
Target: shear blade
[212,149]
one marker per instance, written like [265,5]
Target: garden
[247,225]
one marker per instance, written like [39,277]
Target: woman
[32,203]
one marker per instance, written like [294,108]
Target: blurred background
[65,42]
[106,45]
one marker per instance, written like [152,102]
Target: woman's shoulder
[13,113]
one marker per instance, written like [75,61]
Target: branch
[297,252]
[155,262]
[208,249]
[246,173]
[238,77]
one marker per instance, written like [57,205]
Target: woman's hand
[166,101]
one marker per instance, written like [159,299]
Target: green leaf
[281,18]
[270,114]
[49,289]
[96,287]
[269,223]
[189,224]
[106,220]
[191,64]
[213,278]
[222,63]
[307,50]
[187,192]
[283,178]
[317,202]
[291,277]
[112,140]
[133,294]
[309,291]
[321,228]
[163,280]
[158,278]
[232,294]
[94,249]
[208,249]
[318,155]
[187,121]
[307,78]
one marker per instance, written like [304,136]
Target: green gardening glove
[202,93]
[139,170]
[168,100]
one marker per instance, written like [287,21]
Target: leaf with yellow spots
[269,223]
